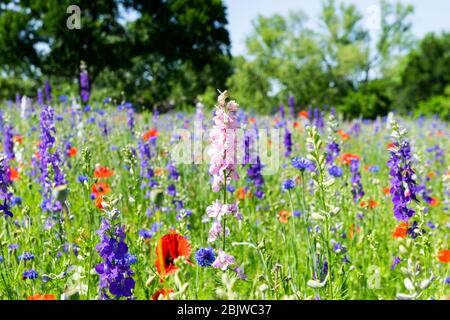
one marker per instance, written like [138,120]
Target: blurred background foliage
[174,52]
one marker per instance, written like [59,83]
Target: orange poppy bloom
[152,133]
[170,247]
[72,152]
[103,172]
[37,155]
[370,204]
[343,134]
[440,133]
[98,202]
[251,120]
[163,291]
[348,157]
[13,174]
[444,256]
[434,202]
[158,171]
[240,193]
[18,139]
[387,190]
[401,230]
[38,296]
[303,114]
[431,174]
[100,189]
[373,204]
[284,215]
[390,146]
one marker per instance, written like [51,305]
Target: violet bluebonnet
[171,190]
[288,184]
[332,151]
[40,97]
[357,188]
[116,276]
[396,261]
[30,274]
[282,113]
[49,160]
[5,189]
[26,256]
[205,257]
[84,84]
[302,164]
[8,143]
[254,175]
[173,171]
[130,119]
[403,185]
[291,103]
[287,142]
[48,91]
[335,171]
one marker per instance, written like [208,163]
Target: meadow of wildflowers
[99,201]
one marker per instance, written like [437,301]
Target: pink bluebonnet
[223,260]
[223,138]
[216,231]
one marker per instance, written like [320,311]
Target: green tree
[427,71]
[333,65]
[172,49]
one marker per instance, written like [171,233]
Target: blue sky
[429,15]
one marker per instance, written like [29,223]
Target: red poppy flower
[303,114]
[152,133]
[39,296]
[444,256]
[37,155]
[296,124]
[72,152]
[386,190]
[401,230]
[163,291]
[100,189]
[170,247]
[348,157]
[13,174]
[103,172]
[251,120]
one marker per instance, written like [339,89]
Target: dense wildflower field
[99,201]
